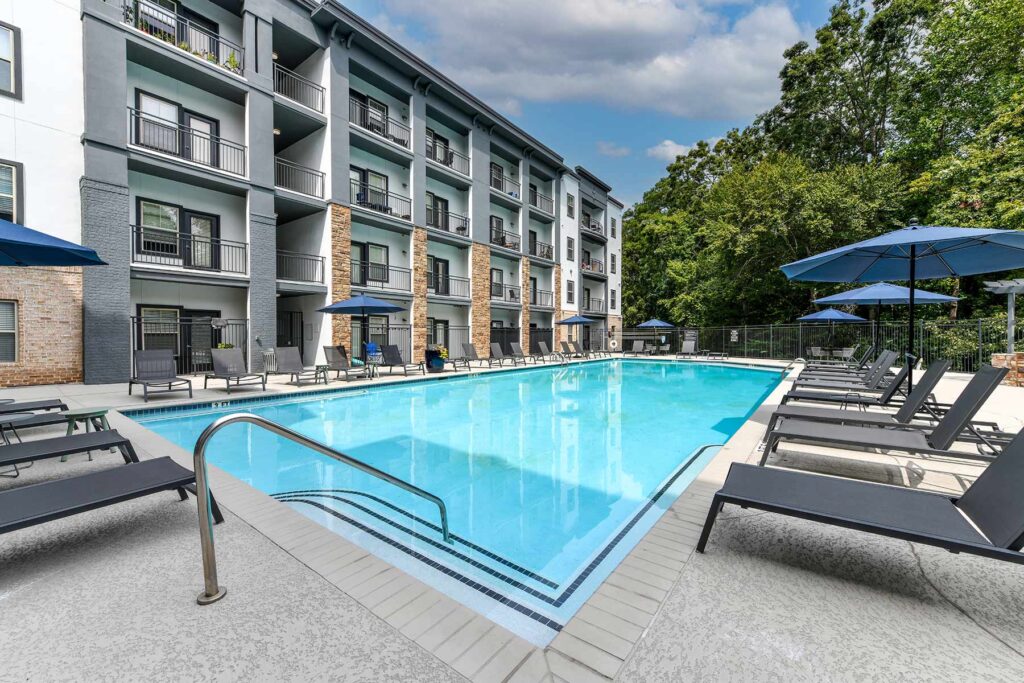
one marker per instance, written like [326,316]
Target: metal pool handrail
[212,591]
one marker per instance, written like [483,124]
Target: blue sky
[619,86]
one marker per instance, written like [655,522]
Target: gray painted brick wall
[262,287]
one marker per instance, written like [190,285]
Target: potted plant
[435,357]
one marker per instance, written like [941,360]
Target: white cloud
[610,149]
[668,150]
[683,57]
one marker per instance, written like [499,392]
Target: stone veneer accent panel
[615,321]
[341,272]
[49,302]
[524,326]
[419,293]
[1013,361]
[480,292]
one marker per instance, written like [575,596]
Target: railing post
[745,354]
[771,341]
[981,355]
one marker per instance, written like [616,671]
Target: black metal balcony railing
[191,339]
[542,297]
[542,202]
[542,250]
[502,183]
[292,176]
[593,227]
[190,144]
[382,201]
[447,221]
[191,252]
[508,293]
[448,285]
[164,24]
[451,337]
[298,267]
[381,276]
[504,238]
[298,88]
[457,161]
[592,266]
[593,305]
[376,122]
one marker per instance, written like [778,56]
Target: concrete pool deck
[110,594]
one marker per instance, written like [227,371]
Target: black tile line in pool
[326,493]
[505,600]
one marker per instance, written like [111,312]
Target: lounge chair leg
[771,443]
[182,494]
[716,506]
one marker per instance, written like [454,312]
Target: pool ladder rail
[212,591]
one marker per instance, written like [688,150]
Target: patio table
[95,419]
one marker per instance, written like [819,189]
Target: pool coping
[593,644]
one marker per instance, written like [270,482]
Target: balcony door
[497,283]
[290,330]
[586,298]
[533,242]
[533,291]
[199,139]
[437,211]
[439,151]
[371,263]
[497,177]
[157,123]
[201,240]
[586,259]
[371,188]
[438,271]
[437,332]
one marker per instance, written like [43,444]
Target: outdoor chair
[913,441]
[888,396]
[579,351]
[337,360]
[469,351]
[548,354]
[156,369]
[636,350]
[33,406]
[517,353]
[13,455]
[566,351]
[840,372]
[498,355]
[987,519]
[229,365]
[688,349]
[852,364]
[392,358]
[289,362]
[871,382]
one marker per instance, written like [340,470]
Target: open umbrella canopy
[21,246]
[831,315]
[884,294]
[361,305]
[654,322]
[577,320]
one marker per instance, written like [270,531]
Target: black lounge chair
[517,352]
[883,362]
[27,506]
[987,520]
[62,446]
[913,441]
[548,354]
[337,360]
[888,396]
[637,350]
[499,356]
[289,362]
[156,368]
[12,422]
[858,364]
[469,352]
[229,365]
[392,358]
[873,382]
[33,406]
[579,351]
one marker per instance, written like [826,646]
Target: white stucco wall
[569,228]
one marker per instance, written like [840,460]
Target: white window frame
[13,331]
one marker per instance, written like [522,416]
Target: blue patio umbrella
[883,293]
[831,315]
[361,305]
[21,246]
[912,253]
[654,322]
[576,320]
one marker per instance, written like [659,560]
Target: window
[8,331]
[611,300]
[10,61]
[570,206]
[613,228]
[570,291]
[570,248]
[160,327]
[10,191]
[613,264]
[158,228]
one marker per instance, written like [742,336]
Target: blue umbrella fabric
[832,315]
[884,294]
[361,305]
[21,246]
[654,322]
[577,320]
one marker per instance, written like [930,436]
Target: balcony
[504,238]
[448,285]
[447,221]
[592,227]
[380,200]
[505,185]
[380,276]
[508,293]
[297,267]
[291,176]
[377,123]
[592,266]
[189,252]
[593,306]
[542,202]
[167,26]
[174,139]
[542,250]
[457,161]
[289,84]
[542,298]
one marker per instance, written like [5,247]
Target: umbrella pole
[911,359]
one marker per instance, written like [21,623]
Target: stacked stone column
[419,294]
[524,326]
[341,272]
[480,289]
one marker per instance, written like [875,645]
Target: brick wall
[341,272]
[524,326]
[49,325]
[1013,361]
[419,293]
[480,289]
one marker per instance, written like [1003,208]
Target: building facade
[240,165]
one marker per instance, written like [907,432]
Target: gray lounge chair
[548,354]
[579,351]
[229,365]
[392,358]
[838,372]
[851,364]
[913,441]
[637,349]
[886,398]
[870,382]
[337,360]
[688,349]
[62,446]
[498,355]
[517,352]
[469,351]
[987,520]
[33,406]
[156,370]
[289,362]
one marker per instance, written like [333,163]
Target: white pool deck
[110,594]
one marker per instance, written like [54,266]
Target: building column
[524,326]
[419,294]
[480,290]
[341,273]
[262,276]
[615,331]
[557,334]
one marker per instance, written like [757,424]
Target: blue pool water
[550,475]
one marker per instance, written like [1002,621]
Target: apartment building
[240,164]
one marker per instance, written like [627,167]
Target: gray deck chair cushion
[811,394]
[152,365]
[496,351]
[995,502]
[966,405]
[228,363]
[469,351]
[289,360]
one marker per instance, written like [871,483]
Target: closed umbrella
[21,246]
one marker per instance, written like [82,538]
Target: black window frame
[15,94]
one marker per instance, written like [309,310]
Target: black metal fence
[381,334]
[380,276]
[451,337]
[542,250]
[541,334]
[448,285]
[156,20]
[375,121]
[380,200]
[444,155]
[298,88]
[508,293]
[191,339]
[542,297]
[447,221]
[299,267]
[182,250]
[504,336]
[191,144]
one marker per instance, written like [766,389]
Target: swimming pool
[550,474]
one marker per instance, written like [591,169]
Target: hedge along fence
[967,343]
